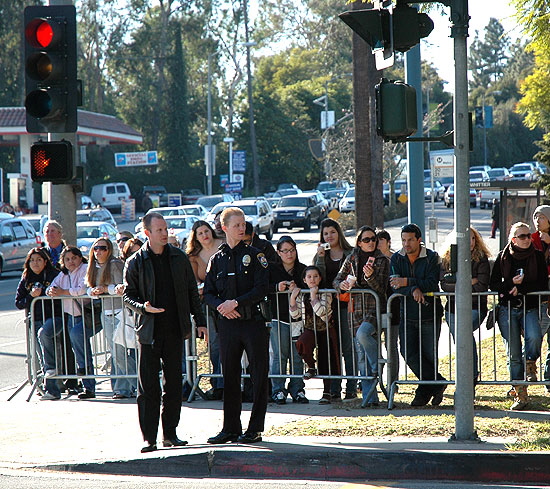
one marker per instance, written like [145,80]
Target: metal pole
[208,163]
[230,142]
[484,133]
[464,395]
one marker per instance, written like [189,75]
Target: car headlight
[300,214]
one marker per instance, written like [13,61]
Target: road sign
[140,158]
[239,161]
[442,163]
[224,179]
[174,200]
[234,187]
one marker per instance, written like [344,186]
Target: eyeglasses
[368,239]
[289,250]
[122,240]
[523,236]
[100,248]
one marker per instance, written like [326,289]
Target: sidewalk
[102,436]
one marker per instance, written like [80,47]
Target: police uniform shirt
[239,273]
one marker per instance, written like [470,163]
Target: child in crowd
[316,313]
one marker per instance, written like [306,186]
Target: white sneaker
[51,372]
[279,398]
[49,397]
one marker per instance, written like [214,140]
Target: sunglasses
[523,236]
[122,240]
[368,240]
[290,250]
[100,248]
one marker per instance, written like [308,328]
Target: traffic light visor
[371,25]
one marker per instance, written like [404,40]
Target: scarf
[511,252]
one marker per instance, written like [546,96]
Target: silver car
[17,238]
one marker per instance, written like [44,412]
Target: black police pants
[165,354]
[251,336]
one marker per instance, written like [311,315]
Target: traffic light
[51,87]
[387,32]
[396,115]
[52,162]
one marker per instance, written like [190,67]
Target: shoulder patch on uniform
[262,259]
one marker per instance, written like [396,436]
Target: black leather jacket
[139,281]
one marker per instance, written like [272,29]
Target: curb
[331,465]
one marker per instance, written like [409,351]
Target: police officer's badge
[246,260]
[262,259]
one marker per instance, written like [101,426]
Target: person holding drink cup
[519,269]
[366,268]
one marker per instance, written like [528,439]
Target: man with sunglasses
[414,271]
[121,238]
[160,287]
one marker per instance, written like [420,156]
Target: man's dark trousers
[165,353]
[235,337]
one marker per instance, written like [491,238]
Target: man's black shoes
[151,447]
[438,396]
[250,437]
[419,400]
[223,437]
[173,442]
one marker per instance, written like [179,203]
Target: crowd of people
[268,313]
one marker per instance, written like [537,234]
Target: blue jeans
[450,317]
[419,341]
[345,341]
[80,341]
[47,331]
[283,347]
[511,333]
[366,345]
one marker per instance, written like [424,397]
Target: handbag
[91,314]
[125,332]
[492,317]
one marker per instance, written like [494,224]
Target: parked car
[479,176]
[321,200]
[17,238]
[181,226]
[334,197]
[541,168]
[155,191]
[194,210]
[295,211]
[399,186]
[347,204]
[273,201]
[220,206]
[438,190]
[485,197]
[523,171]
[38,221]
[190,195]
[259,213]
[163,211]
[86,202]
[110,195]
[209,201]
[287,191]
[286,186]
[499,174]
[446,181]
[95,214]
[88,231]
[328,186]
[450,196]
[484,168]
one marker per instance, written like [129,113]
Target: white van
[110,195]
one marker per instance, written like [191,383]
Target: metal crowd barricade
[340,322]
[485,376]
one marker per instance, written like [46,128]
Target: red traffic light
[52,162]
[41,33]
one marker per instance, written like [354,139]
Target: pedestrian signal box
[396,113]
[52,162]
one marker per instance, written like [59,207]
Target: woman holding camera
[331,253]
[284,332]
[366,268]
[47,317]
[519,269]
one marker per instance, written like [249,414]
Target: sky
[438,46]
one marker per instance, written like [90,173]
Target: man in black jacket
[160,287]
[237,280]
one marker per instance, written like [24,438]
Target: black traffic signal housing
[396,111]
[52,161]
[409,26]
[51,86]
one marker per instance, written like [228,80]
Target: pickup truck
[485,197]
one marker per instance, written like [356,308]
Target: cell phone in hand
[370,261]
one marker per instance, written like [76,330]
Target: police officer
[236,282]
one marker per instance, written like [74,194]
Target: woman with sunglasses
[38,274]
[331,253]
[519,269]
[202,243]
[284,332]
[102,278]
[366,268]
[70,282]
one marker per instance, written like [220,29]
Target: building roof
[93,128]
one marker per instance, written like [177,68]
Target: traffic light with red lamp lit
[52,161]
[51,86]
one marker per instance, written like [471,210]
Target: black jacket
[23,297]
[279,302]
[139,281]
[239,273]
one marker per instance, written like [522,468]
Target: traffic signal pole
[464,394]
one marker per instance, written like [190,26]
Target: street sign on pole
[239,161]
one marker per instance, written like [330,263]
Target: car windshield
[324,186]
[495,173]
[178,223]
[295,202]
[521,168]
[249,210]
[476,175]
[209,201]
[167,212]
[88,232]
[193,211]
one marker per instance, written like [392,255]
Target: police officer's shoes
[223,437]
[173,442]
[250,437]
[150,447]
